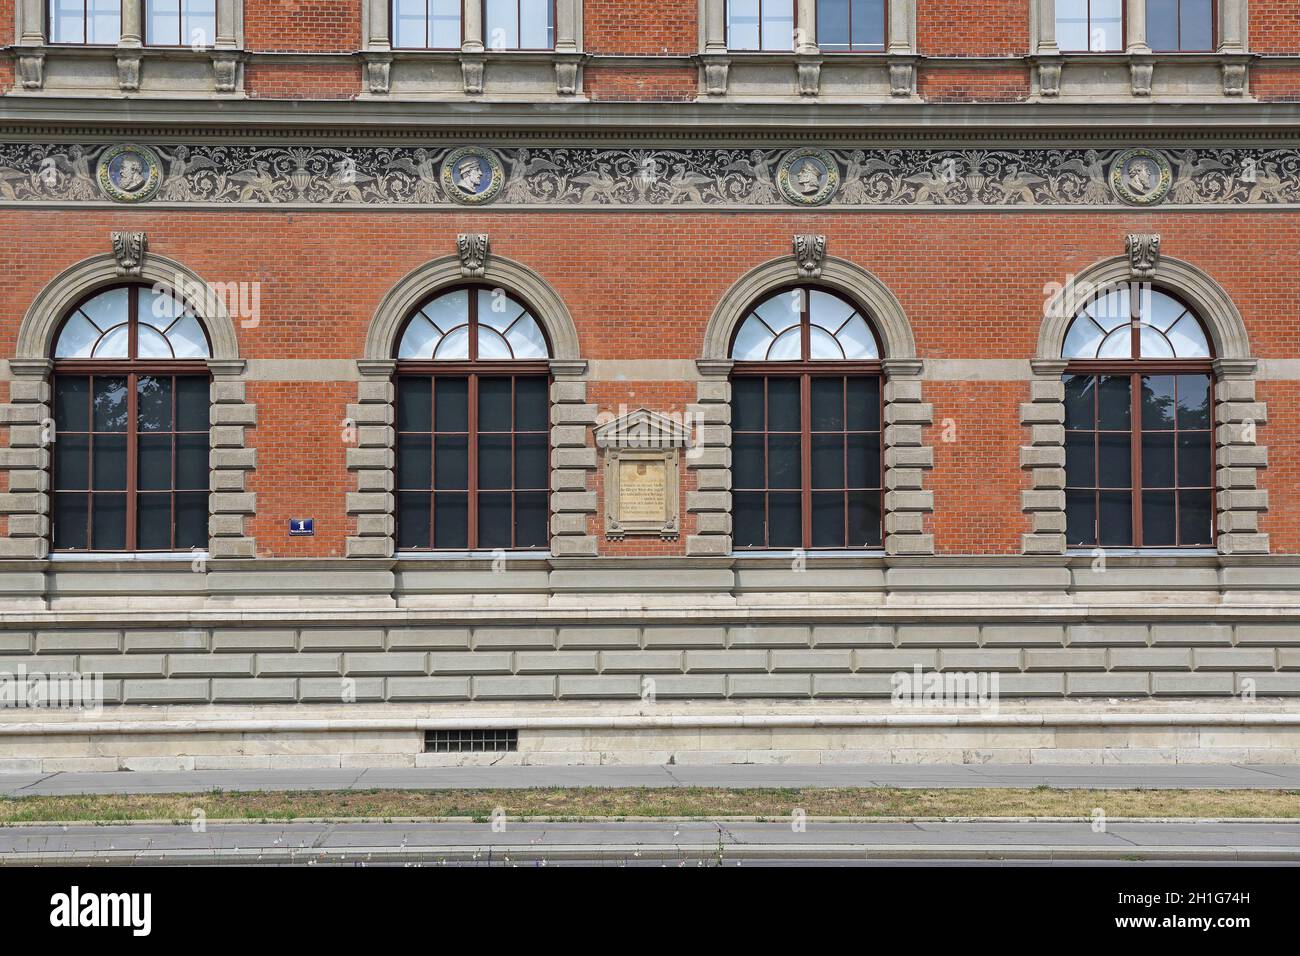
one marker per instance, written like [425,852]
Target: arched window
[1139,420]
[806,424]
[472,424]
[131,399]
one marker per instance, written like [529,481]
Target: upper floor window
[519,24]
[806,425]
[1095,26]
[1181,26]
[426,24]
[1139,423]
[473,425]
[191,23]
[851,26]
[85,21]
[131,399]
[760,25]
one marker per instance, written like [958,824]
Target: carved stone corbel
[378,74]
[809,70]
[715,74]
[471,73]
[566,73]
[225,71]
[810,252]
[129,249]
[1234,79]
[128,72]
[31,70]
[473,251]
[1143,254]
[902,77]
[1049,77]
[1142,72]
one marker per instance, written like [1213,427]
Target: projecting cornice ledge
[824,122]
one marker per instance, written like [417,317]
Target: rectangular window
[760,25]
[473,456]
[806,461]
[1090,26]
[130,462]
[1180,26]
[851,26]
[1139,463]
[519,24]
[191,23]
[426,24]
[97,22]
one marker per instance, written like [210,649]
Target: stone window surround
[573,457]
[27,457]
[907,458]
[131,52]
[1231,51]
[1239,500]
[806,59]
[379,52]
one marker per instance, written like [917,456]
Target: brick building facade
[457,277]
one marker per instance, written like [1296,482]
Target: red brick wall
[303,81]
[972,27]
[655,27]
[677,85]
[1274,26]
[643,285]
[1000,84]
[1275,83]
[302,25]
[7,21]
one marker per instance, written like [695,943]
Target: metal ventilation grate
[470,741]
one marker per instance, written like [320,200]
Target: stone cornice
[23,116]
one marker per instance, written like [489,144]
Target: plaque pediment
[643,429]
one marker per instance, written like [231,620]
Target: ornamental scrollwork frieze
[621,177]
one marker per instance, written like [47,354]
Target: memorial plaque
[643,491]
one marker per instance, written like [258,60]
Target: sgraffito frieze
[600,177]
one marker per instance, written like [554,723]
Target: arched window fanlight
[775,330]
[473,324]
[105,327]
[1132,322]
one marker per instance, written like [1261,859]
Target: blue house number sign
[301,526]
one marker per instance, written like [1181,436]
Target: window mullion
[471,443]
[805,456]
[132,452]
[1135,454]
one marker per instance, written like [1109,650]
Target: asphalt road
[1118,776]
[685,843]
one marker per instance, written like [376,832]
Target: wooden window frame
[519,17]
[805,370]
[131,369]
[472,369]
[1123,31]
[392,27]
[1214,30]
[884,22]
[1136,368]
[85,24]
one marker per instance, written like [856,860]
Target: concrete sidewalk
[1118,776]
[648,842]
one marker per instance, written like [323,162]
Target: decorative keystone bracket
[1142,71]
[810,251]
[473,251]
[128,72]
[225,71]
[902,76]
[1049,76]
[1143,255]
[31,70]
[471,72]
[567,72]
[129,249]
[808,70]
